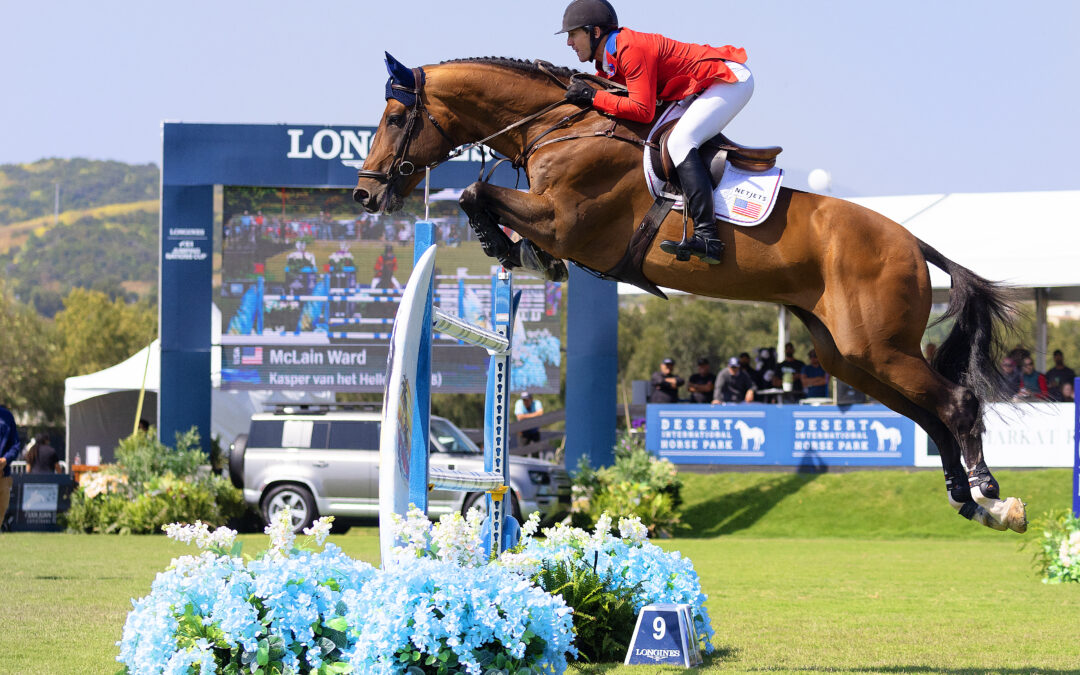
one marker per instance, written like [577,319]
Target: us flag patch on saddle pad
[742,198]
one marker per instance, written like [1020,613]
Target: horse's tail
[984,315]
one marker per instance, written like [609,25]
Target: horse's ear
[402,76]
[399,72]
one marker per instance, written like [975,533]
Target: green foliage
[29,379]
[144,458]
[637,484]
[94,332]
[687,328]
[1057,555]
[91,334]
[604,613]
[153,485]
[93,253]
[28,190]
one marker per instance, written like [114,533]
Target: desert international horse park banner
[782,435]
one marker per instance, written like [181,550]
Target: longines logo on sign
[351,147]
[348,145]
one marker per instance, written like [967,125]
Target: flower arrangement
[630,559]
[441,606]
[223,612]
[295,609]
[1058,556]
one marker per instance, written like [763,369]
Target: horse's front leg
[489,206]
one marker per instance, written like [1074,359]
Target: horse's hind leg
[956,482]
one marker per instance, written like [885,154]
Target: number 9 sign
[664,634]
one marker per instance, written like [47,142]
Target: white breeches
[710,112]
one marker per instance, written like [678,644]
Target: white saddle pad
[742,198]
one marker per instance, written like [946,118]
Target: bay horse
[858,280]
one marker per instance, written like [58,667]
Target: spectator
[10,448]
[1057,376]
[766,361]
[929,350]
[665,383]
[42,457]
[701,383]
[791,370]
[1067,394]
[1018,354]
[755,375]
[1011,376]
[1032,382]
[527,408]
[733,385]
[814,378]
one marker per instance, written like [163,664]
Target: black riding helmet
[586,13]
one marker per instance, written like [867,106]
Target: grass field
[861,572]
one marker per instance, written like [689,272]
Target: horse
[858,281]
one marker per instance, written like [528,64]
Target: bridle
[401,167]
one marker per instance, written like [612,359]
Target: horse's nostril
[360,196]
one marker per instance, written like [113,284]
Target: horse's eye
[395,120]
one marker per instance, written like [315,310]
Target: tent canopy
[100,407]
[1028,240]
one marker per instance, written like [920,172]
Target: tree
[687,328]
[29,381]
[96,333]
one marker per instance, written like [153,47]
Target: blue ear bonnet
[401,76]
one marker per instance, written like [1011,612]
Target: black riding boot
[697,192]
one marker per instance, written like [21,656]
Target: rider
[655,67]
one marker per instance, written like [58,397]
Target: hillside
[28,190]
[106,237]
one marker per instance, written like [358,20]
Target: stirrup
[707,250]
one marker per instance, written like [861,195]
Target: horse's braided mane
[520,65]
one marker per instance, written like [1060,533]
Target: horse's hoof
[557,272]
[1016,516]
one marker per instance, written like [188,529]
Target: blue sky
[891,98]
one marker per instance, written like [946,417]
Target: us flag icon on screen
[251,356]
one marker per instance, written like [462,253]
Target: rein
[400,167]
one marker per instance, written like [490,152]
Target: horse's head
[408,139]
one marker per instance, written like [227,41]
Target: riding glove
[580,94]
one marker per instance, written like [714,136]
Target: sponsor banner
[1023,435]
[784,435]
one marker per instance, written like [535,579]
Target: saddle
[714,152]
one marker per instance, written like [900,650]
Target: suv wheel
[477,499]
[236,461]
[299,501]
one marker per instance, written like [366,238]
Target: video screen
[310,285]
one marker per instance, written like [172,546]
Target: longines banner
[782,435]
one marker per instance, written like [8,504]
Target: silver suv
[324,461]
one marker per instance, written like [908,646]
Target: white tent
[100,408]
[1029,240]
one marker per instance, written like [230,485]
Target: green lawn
[848,594]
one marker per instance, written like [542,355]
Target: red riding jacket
[655,67]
